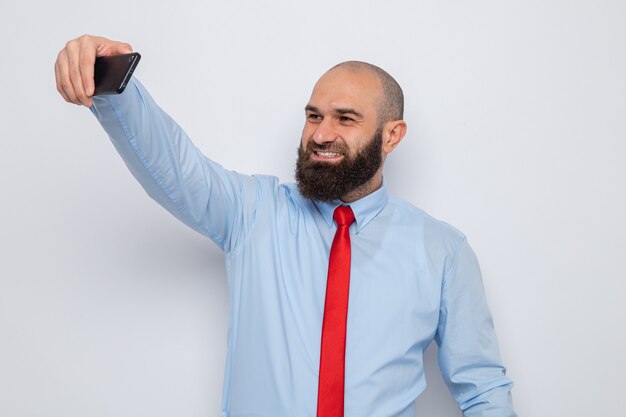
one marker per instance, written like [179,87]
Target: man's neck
[366,189]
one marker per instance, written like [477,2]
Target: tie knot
[343,216]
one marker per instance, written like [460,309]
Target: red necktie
[333,352]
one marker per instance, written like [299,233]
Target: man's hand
[74,66]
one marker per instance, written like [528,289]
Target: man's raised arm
[215,202]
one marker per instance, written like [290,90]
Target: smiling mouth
[328,157]
[326,154]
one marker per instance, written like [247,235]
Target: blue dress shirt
[413,279]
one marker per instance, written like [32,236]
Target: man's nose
[325,133]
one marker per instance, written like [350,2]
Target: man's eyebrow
[347,110]
[311,108]
[339,110]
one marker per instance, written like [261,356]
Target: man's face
[341,146]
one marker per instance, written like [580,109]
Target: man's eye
[346,119]
[314,117]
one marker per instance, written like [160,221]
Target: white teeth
[327,154]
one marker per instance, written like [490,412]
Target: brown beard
[330,181]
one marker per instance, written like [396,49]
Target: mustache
[335,147]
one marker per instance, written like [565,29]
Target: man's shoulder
[409,215]
[281,195]
[281,191]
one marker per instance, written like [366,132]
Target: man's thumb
[125,48]
[109,48]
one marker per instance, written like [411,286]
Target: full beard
[327,181]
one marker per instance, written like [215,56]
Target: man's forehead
[341,87]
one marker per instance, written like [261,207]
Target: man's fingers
[64,84]
[86,61]
[57,77]
[74,72]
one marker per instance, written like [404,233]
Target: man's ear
[393,132]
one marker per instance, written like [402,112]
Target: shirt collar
[364,209]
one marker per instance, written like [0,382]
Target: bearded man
[336,288]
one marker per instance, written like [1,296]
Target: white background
[517,131]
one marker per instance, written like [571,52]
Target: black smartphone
[112,73]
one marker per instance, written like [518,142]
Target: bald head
[391,105]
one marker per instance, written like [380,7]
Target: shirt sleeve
[216,202]
[469,357]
